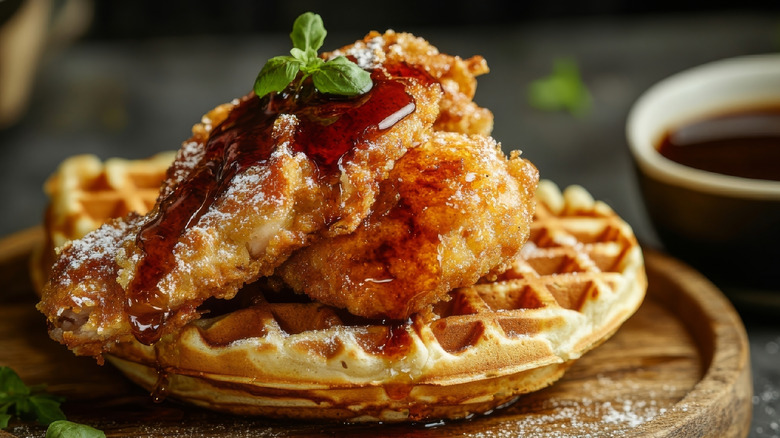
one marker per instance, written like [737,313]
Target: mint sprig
[22,401]
[336,76]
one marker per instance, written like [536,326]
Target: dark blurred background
[153,18]
[150,18]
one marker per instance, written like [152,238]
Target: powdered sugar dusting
[573,419]
[190,155]
[367,55]
[93,250]
[599,413]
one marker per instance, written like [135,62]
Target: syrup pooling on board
[329,129]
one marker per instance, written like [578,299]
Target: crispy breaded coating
[452,210]
[97,294]
[114,284]
[458,112]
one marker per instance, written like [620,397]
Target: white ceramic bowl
[727,226]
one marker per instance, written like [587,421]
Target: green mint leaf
[11,384]
[276,75]
[342,76]
[69,429]
[308,32]
[4,419]
[562,90]
[46,408]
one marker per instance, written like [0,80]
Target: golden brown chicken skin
[229,213]
[457,110]
[226,218]
[451,211]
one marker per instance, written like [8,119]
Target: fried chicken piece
[258,179]
[452,210]
[458,112]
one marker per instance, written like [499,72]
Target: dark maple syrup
[160,390]
[398,391]
[742,143]
[329,128]
[397,341]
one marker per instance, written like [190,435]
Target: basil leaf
[308,32]
[337,76]
[300,55]
[46,408]
[276,75]
[11,384]
[23,407]
[312,66]
[342,76]
[25,402]
[69,429]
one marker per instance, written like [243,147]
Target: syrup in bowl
[743,143]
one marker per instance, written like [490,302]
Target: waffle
[577,279]
[84,192]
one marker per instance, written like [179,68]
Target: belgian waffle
[84,192]
[577,279]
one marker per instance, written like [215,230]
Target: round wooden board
[678,368]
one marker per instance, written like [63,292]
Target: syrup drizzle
[160,390]
[397,340]
[329,129]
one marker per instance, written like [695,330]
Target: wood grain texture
[679,367]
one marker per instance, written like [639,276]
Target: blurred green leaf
[17,399]
[67,429]
[562,90]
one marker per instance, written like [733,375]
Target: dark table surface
[132,98]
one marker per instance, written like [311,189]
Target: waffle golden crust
[577,279]
[84,192]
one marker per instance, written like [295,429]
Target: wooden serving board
[679,367]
